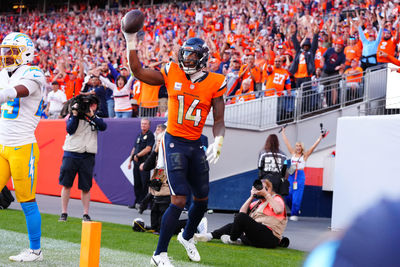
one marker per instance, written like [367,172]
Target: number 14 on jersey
[189,112]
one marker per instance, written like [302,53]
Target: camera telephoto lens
[257,184]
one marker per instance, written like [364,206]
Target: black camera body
[82,103]
[257,184]
[155,184]
[323,130]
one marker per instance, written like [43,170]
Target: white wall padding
[367,165]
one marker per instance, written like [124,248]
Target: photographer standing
[80,148]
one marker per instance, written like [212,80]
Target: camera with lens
[258,185]
[82,103]
[323,130]
[155,184]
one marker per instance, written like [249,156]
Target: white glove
[7,94]
[131,40]
[214,150]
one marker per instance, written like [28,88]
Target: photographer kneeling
[259,223]
[80,148]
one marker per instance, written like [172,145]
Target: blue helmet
[193,55]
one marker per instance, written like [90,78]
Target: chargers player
[191,94]
[21,106]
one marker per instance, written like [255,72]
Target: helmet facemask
[11,56]
[189,61]
[16,49]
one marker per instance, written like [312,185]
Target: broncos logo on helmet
[193,55]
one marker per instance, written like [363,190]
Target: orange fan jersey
[149,95]
[189,103]
[389,47]
[318,56]
[278,79]
[256,71]
[352,52]
[355,78]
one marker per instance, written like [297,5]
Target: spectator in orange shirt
[278,79]
[319,54]
[74,82]
[148,98]
[245,93]
[259,58]
[353,80]
[352,51]
[387,48]
[252,72]
[303,66]
[278,82]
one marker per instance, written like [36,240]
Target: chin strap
[7,94]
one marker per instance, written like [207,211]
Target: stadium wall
[230,179]
[366,168]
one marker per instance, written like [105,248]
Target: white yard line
[62,253]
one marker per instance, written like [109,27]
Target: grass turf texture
[121,238]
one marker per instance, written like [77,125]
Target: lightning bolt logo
[32,167]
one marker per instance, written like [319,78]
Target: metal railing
[380,107]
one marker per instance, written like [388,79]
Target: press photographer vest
[160,174]
[83,140]
[276,222]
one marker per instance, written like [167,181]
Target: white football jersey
[20,116]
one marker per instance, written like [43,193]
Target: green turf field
[120,246]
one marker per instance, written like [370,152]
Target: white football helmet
[15,50]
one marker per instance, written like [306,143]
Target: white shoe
[203,225]
[190,247]
[203,237]
[294,218]
[226,239]
[27,255]
[161,260]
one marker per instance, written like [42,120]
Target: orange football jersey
[278,79]
[389,47]
[149,95]
[189,103]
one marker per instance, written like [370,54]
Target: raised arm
[149,76]
[311,150]
[106,82]
[286,141]
[129,83]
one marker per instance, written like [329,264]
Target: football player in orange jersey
[191,94]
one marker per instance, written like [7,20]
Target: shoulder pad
[35,74]
[167,67]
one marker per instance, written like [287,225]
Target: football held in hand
[132,22]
